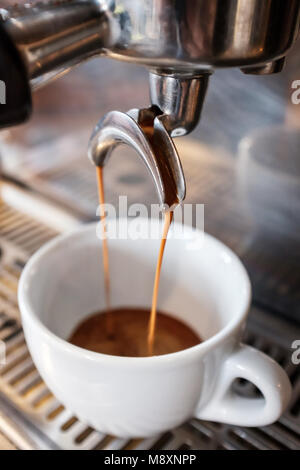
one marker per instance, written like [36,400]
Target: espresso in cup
[129,337]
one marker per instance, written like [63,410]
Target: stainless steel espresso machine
[181,44]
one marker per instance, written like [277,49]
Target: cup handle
[226,406]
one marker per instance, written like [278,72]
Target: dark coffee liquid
[130,334]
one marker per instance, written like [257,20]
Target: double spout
[143,131]
[175,110]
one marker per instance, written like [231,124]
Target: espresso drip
[105,256]
[152,320]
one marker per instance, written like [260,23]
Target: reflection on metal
[180,97]
[275,66]
[144,131]
[160,33]
[52,37]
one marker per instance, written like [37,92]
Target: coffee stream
[109,315]
[153,315]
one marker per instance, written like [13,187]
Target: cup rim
[28,313]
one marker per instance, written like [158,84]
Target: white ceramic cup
[202,282]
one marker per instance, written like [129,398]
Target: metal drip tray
[33,418]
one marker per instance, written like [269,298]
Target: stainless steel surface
[274,66]
[194,36]
[41,422]
[200,34]
[54,36]
[180,97]
[144,131]
[162,33]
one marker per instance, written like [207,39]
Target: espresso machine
[181,44]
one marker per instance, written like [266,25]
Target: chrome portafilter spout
[180,96]
[176,107]
[143,131]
